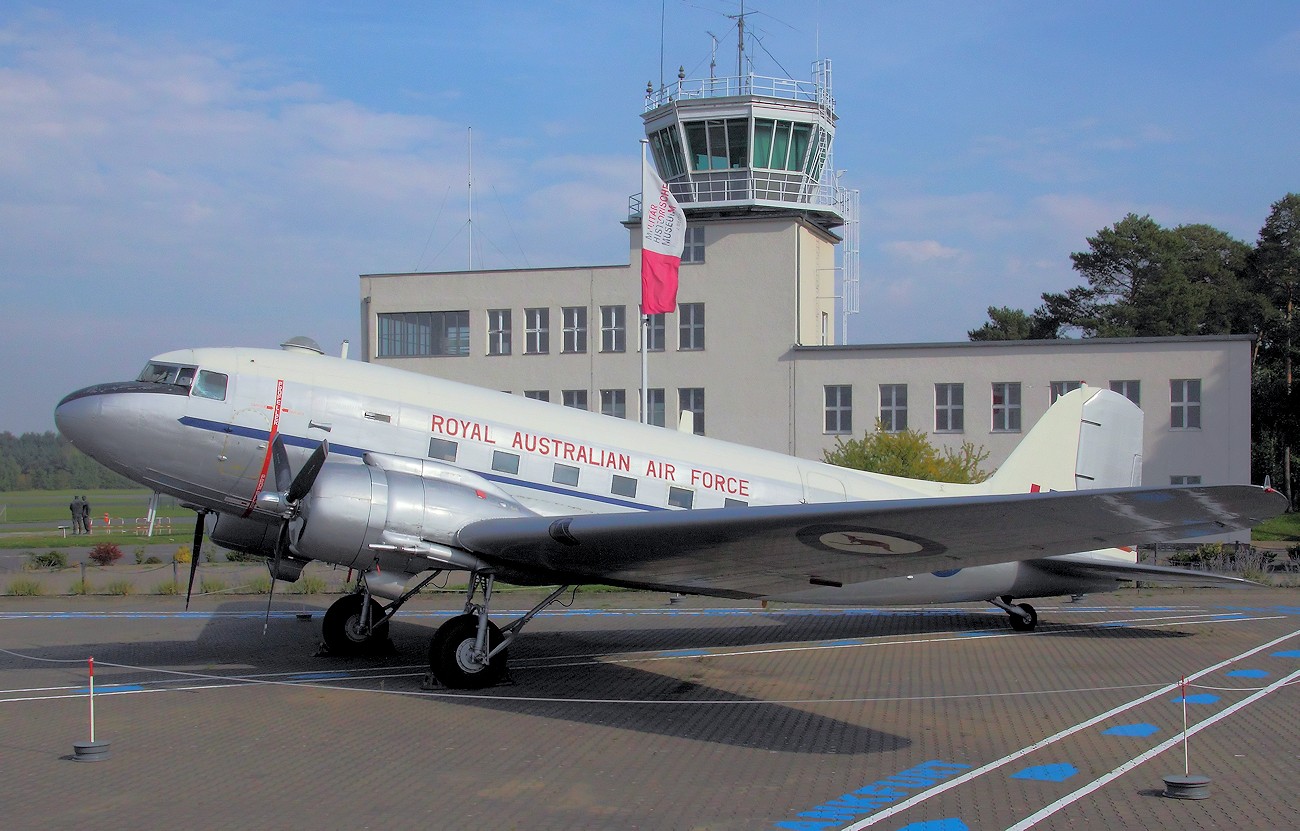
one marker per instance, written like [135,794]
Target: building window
[498,331]
[893,407]
[613,403]
[1132,390]
[655,405]
[537,331]
[505,462]
[575,329]
[667,151]
[423,334]
[442,449]
[623,486]
[1006,407]
[564,474]
[692,400]
[1185,404]
[693,252]
[680,497]
[1184,480]
[655,334]
[538,395]
[1060,388]
[949,408]
[781,145]
[613,328]
[577,399]
[839,408]
[690,326]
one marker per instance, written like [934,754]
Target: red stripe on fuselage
[270,444]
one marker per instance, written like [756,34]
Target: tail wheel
[1026,622]
[342,629]
[451,655]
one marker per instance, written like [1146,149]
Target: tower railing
[816,91]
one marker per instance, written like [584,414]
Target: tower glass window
[718,143]
[667,150]
[781,145]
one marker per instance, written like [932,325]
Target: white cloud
[921,251]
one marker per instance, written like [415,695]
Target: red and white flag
[663,236]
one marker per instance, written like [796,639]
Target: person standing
[85,514]
[75,508]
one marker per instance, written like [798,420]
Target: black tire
[1019,623]
[341,627]
[450,650]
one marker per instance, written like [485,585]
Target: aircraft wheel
[1019,623]
[451,655]
[342,630]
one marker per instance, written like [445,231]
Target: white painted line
[1069,731]
[1033,819]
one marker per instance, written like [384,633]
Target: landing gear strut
[469,652]
[1023,617]
[357,624]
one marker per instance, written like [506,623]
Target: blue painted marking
[946,572]
[1154,609]
[1248,673]
[975,634]
[1203,698]
[319,676]
[1139,730]
[685,653]
[1047,773]
[1114,625]
[845,642]
[870,798]
[107,689]
[937,825]
[1290,653]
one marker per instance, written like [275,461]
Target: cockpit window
[211,385]
[159,373]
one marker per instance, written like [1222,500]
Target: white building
[752,349]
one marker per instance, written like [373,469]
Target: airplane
[298,456]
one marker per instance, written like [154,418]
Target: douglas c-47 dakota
[296,456]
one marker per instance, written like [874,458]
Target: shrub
[211,585]
[120,587]
[25,587]
[151,560]
[167,587]
[106,553]
[81,587]
[182,554]
[260,584]
[241,557]
[308,584]
[50,559]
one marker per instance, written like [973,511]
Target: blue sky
[220,176]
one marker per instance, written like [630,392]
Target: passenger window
[442,449]
[565,474]
[211,385]
[623,486]
[505,462]
[680,497]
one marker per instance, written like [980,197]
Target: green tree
[909,454]
[1006,323]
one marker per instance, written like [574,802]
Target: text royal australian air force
[587,454]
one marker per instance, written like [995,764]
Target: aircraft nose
[76,414]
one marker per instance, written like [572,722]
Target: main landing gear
[1023,617]
[469,652]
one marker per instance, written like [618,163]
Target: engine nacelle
[412,507]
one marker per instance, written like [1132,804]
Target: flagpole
[645,318]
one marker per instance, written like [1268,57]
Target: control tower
[755,146]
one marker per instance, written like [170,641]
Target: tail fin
[1090,438]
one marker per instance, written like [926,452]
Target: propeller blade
[280,463]
[194,554]
[281,539]
[307,476]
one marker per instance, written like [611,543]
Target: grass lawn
[1284,527]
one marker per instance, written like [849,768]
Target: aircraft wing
[1085,567]
[759,551]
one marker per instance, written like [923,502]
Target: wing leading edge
[760,551]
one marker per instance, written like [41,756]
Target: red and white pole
[92,698]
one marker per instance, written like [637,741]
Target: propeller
[298,488]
